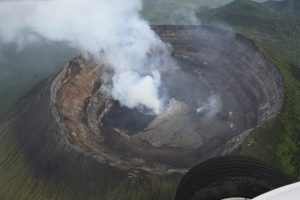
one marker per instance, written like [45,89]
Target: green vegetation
[18,181]
[153,189]
[176,11]
[278,36]
[21,70]
[169,11]
[290,7]
[275,31]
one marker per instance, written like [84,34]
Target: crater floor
[220,88]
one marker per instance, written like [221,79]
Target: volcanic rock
[220,88]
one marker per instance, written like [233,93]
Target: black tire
[230,176]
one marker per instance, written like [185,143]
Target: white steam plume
[111,30]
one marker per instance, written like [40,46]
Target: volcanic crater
[220,88]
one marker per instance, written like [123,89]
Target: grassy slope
[19,182]
[278,37]
[291,7]
[279,44]
[167,11]
[176,11]
[19,72]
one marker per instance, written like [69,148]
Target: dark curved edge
[47,154]
[38,139]
[220,170]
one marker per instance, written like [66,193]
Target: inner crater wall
[223,87]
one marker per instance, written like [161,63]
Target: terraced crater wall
[223,88]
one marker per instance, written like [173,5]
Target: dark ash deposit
[221,87]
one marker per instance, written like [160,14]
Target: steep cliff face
[222,86]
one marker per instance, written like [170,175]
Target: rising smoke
[110,30]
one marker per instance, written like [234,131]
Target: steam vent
[220,89]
